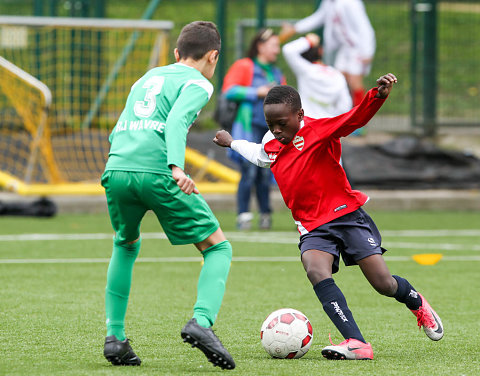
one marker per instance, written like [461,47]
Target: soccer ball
[286,333]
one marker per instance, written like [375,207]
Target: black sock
[335,306]
[407,294]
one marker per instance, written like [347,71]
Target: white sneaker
[265,222]
[244,221]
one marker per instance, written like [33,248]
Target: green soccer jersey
[151,133]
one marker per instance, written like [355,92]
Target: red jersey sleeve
[344,124]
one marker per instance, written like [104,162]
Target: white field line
[199,259]
[430,233]
[270,236]
[282,238]
[434,246]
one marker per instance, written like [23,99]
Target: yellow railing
[227,185]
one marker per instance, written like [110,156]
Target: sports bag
[225,112]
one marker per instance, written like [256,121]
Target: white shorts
[350,61]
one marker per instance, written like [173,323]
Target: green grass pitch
[52,299]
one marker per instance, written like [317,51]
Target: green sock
[119,280]
[211,283]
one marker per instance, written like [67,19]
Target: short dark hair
[197,38]
[284,94]
[312,54]
[261,37]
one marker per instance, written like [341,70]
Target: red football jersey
[312,182]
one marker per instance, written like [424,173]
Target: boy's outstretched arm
[385,84]
[344,124]
[251,151]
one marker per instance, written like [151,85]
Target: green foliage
[52,314]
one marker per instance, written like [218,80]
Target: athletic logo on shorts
[298,142]
[372,242]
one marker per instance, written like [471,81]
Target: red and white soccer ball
[286,333]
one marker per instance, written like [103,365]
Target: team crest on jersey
[272,156]
[298,142]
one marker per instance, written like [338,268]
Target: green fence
[432,46]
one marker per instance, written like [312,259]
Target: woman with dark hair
[247,82]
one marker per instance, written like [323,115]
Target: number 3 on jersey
[146,107]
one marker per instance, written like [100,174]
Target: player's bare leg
[377,273]
[217,237]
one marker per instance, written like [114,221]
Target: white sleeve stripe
[252,152]
[204,84]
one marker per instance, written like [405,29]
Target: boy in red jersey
[303,154]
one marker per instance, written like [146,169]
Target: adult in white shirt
[348,37]
[323,89]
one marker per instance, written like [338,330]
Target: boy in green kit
[145,171]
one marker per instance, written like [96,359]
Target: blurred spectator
[247,82]
[348,37]
[323,89]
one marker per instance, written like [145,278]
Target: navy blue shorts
[354,236]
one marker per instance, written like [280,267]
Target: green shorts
[185,218]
